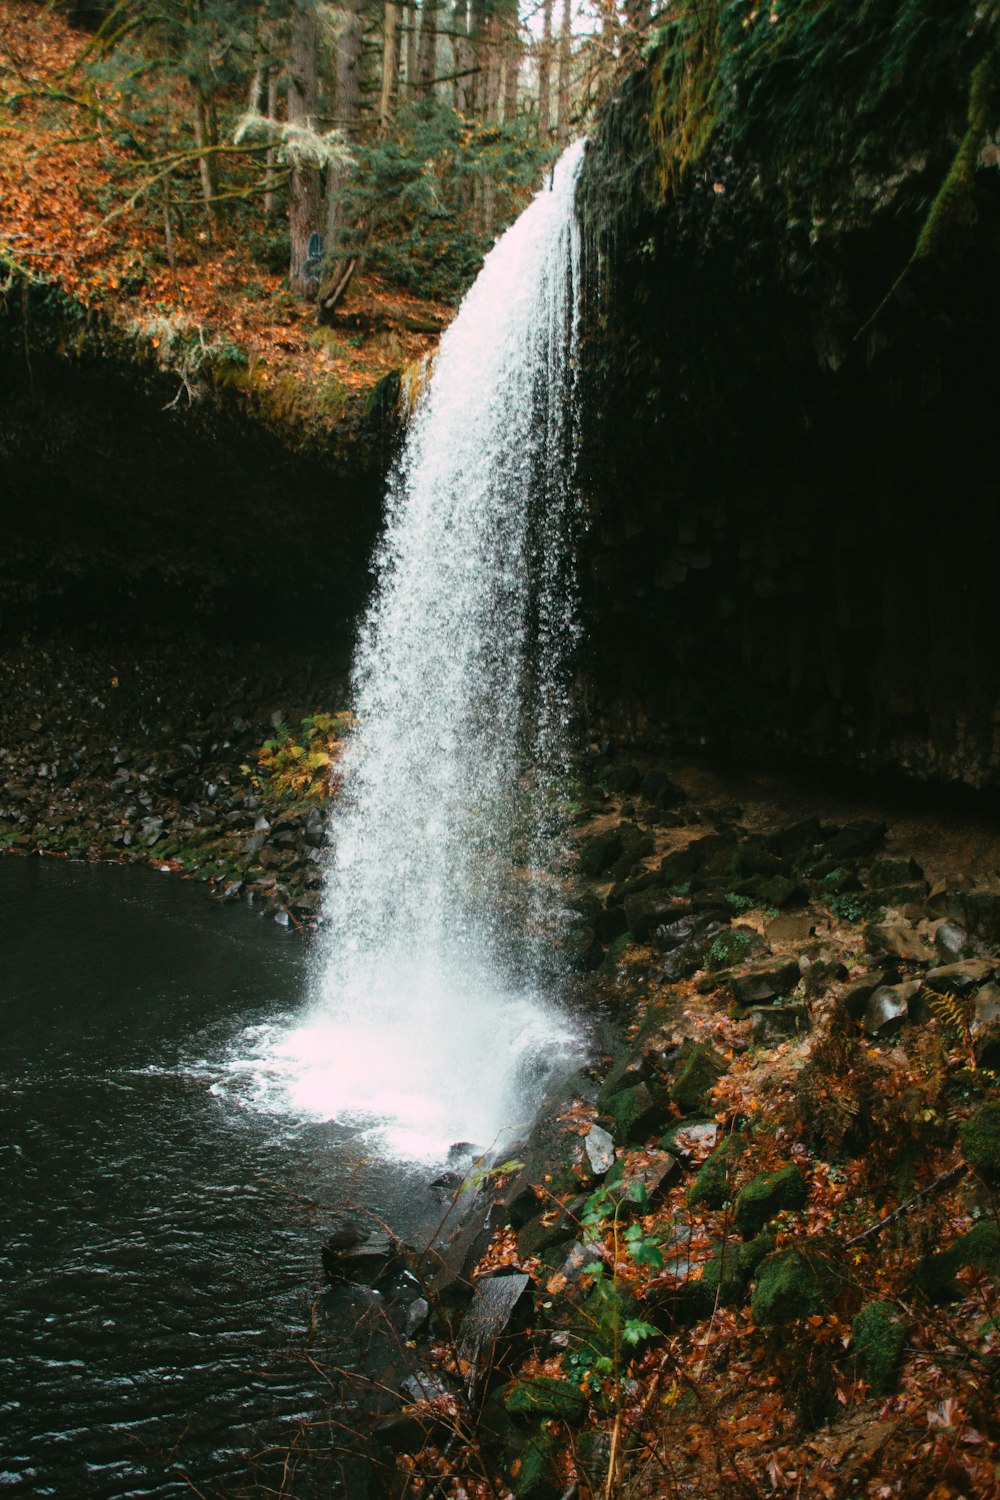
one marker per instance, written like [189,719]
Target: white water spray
[443,915]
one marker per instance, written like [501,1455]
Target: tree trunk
[562,101]
[207,168]
[512,67]
[465,60]
[427,61]
[341,256]
[412,20]
[491,65]
[270,196]
[478,18]
[304,194]
[545,71]
[390,57]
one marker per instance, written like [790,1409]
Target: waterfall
[443,914]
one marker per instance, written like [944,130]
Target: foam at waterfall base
[456,1064]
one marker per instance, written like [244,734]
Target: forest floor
[69,169]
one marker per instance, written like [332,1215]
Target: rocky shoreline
[757,1242]
[757,1238]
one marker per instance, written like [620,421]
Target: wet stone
[600,1149]
[952,943]
[492,1315]
[987,1008]
[423,1385]
[959,978]
[889,1008]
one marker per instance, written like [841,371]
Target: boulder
[854,840]
[634,1115]
[496,1317]
[713,1184]
[767,1196]
[654,1171]
[766,981]
[878,1336]
[729,1270]
[889,1008]
[734,946]
[691,1138]
[886,873]
[791,1284]
[778,1023]
[697,1069]
[959,978]
[541,1396]
[649,909]
[599,852]
[952,943]
[855,996]
[980,1248]
[980,1139]
[600,1149]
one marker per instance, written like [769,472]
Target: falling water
[442,914]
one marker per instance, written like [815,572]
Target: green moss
[727,1275]
[712,1186]
[979,1248]
[536,1477]
[733,947]
[791,1285]
[633,1113]
[542,1396]
[879,1333]
[698,1071]
[766,1196]
[980,1138]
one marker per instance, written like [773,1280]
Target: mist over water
[428,1019]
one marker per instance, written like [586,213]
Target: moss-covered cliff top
[92,263]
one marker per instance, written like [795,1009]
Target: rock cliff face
[135,495]
[790,398]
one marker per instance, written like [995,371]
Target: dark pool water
[159,1247]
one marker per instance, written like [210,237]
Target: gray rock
[491,1317]
[960,978]
[423,1385]
[987,1008]
[952,942]
[889,1007]
[417,1314]
[776,1023]
[908,944]
[600,1149]
[766,981]
[855,996]
[655,1174]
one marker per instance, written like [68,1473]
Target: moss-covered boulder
[534,1475]
[879,1335]
[713,1185]
[599,852]
[980,1138]
[734,946]
[767,1196]
[544,1396]
[633,1114]
[979,1248]
[727,1274]
[791,1284]
[698,1069]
